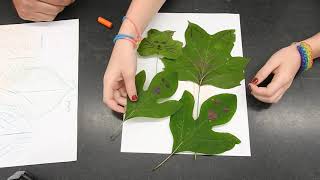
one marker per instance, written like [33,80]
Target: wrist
[127,28]
[294,54]
[124,45]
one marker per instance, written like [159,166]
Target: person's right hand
[36,10]
[284,64]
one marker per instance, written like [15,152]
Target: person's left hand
[284,64]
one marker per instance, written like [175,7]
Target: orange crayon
[105,22]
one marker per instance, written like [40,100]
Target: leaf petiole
[117,132]
[166,159]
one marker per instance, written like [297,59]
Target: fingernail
[134,98]
[254,80]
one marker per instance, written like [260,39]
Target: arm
[141,13]
[284,64]
[119,78]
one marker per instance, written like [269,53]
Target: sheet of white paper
[38,93]
[143,135]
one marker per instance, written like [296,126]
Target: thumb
[129,81]
[264,72]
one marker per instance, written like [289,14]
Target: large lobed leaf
[206,59]
[162,86]
[197,135]
[160,43]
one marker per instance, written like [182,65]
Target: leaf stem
[166,159]
[157,63]
[198,102]
[117,132]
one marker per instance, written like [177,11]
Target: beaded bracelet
[305,52]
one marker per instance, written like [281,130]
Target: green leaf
[197,135]
[160,43]
[206,59]
[162,86]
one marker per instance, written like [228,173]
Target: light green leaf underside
[160,43]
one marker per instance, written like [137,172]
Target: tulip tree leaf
[197,135]
[160,43]
[206,59]
[162,86]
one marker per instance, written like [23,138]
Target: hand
[284,64]
[36,10]
[119,78]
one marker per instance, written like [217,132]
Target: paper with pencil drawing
[142,135]
[38,93]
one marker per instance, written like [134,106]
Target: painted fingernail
[254,80]
[134,98]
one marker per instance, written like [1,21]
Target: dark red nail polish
[134,98]
[254,80]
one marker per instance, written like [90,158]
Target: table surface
[284,137]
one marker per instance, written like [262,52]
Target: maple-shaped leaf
[162,86]
[197,135]
[206,59]
[160,43]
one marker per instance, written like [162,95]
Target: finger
[123,92]
[112,104]
[273,99]
[120,100]
[108,97]
[277,82]
[45,8]
[129,81]
[37,17]
[117,85]
[58,2]
[265,71]
[279,97]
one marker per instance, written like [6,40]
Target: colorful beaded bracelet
[305,52]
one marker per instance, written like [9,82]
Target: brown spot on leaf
[156,90]
[212,115]
[226,109]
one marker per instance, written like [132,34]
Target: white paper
[38,93]
[144,135]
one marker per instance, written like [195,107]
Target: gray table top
[284,137]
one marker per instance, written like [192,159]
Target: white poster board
[144,135]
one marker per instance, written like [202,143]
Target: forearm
[314,42]
[141,13]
